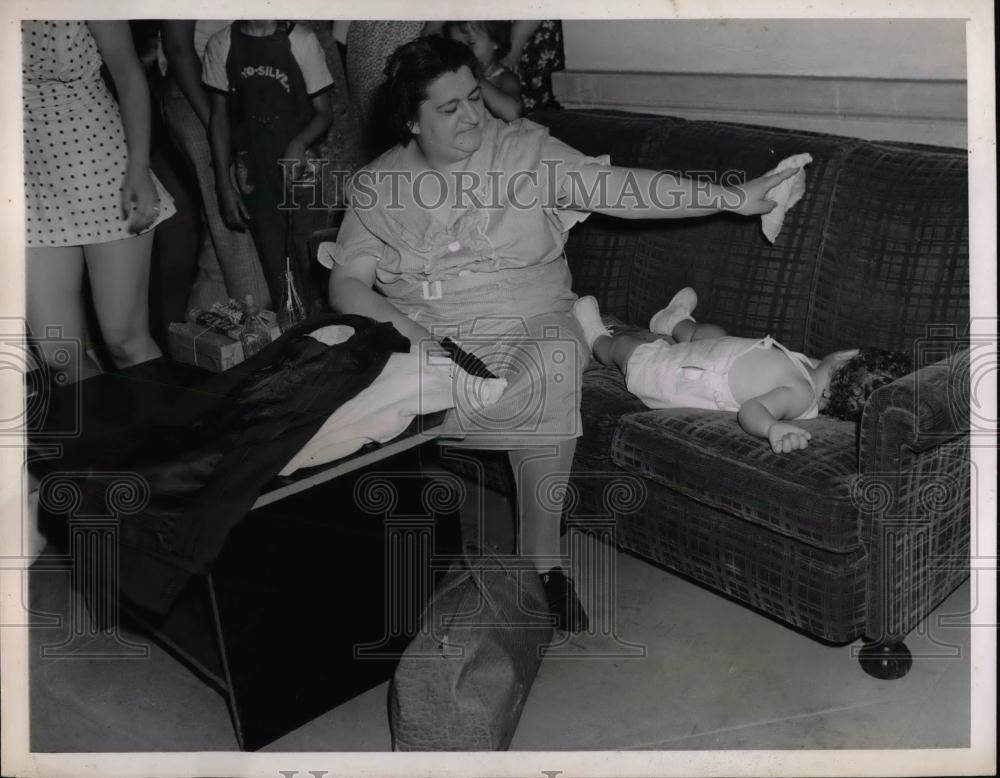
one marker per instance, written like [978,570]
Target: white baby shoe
[679,309]
[587,312]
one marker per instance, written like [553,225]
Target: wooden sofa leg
[886,660]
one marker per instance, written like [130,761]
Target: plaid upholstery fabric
[744,283]
[600,253]
[818,591]
[632,140]
[896,257]
[600,250]
[916,525]
[928,407]
[707,456]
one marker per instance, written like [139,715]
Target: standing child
[269,104]
[765,383]
[490,42]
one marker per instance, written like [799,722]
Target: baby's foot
[679,309]
[586,311]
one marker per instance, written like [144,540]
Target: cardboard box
[198,345]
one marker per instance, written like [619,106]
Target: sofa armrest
[919,411]
[913,494]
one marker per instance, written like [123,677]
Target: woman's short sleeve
[560,165]
[568,163]
[353,240]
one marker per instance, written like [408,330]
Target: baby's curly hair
[854,381]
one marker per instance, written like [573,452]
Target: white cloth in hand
[785,194]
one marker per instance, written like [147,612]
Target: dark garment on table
[265,114]
[225,440]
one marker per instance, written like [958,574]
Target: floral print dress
[542,54]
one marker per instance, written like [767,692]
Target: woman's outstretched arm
[637,193]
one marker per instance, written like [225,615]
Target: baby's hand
[785,437]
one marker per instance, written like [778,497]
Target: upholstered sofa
[865,532]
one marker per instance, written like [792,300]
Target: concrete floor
[684,669]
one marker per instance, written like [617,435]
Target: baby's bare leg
[616,350]
[688,330]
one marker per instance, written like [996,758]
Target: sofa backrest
[895,259]
[835,276]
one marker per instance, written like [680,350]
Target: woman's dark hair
[496,31]
[854,381]
[408,73]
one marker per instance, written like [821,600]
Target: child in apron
[269,105]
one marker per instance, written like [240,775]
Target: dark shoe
[563,602]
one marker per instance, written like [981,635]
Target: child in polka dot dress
[90,198]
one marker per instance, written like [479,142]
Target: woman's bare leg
[119,280]
[55,311]
[540,475]
[542,478]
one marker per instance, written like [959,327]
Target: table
[314,595]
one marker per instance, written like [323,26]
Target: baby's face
[826,368]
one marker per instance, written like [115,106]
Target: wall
[878,79]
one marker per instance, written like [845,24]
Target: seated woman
[461,228]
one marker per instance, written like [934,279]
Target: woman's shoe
[563,602]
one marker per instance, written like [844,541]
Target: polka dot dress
[74,143]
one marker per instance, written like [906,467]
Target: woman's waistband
[469,285]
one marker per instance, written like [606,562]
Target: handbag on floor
[462,682]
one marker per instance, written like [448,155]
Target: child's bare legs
[676,321]
[688,330]
[615,350]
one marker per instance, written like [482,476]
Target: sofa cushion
[604,401]
[744,283]
[705,455]
[896,255]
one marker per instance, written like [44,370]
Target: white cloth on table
[382,411]
[785,194]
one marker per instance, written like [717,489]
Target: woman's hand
[234,212]
[785,438]
[140,200]
[749,199]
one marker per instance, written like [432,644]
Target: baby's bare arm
[762,416]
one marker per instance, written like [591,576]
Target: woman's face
[449,124]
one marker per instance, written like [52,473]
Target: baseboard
[915,111]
